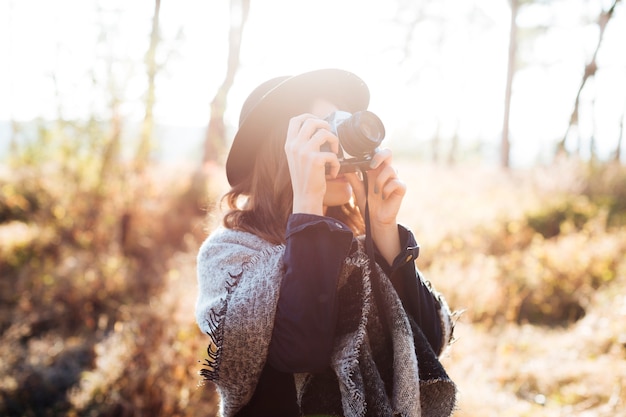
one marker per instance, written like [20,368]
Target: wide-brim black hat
[281,98]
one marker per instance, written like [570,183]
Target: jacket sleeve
[426,306]
[306,314]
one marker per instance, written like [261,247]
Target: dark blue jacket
[303,333]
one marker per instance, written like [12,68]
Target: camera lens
[361,134]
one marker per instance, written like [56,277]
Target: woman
[301,321]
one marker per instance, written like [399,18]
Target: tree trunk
[505,146]
[435,144]
[454,146]
[215,139]
[620,138]
[145,143]
[199,193]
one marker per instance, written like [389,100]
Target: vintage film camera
[359,135]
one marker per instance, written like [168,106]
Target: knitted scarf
[382,365]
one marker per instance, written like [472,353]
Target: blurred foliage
[86,254]
[602,193]
[606,186]
[545,267]
[540,285]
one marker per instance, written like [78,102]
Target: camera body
[359,135]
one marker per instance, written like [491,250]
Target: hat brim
[289,98]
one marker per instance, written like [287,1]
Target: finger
[394,187]
[303,126]
[321,137]
[295,123]
[311,127]
[381,156]
[300,130]
[381,175]
[332,164]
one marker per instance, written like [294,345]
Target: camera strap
[369,242]
[371,256]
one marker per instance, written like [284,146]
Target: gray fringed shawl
[381,364]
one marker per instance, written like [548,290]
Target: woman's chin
[338,193]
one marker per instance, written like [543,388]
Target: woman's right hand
[307,163]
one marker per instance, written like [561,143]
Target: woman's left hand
[384,198]
[386,190]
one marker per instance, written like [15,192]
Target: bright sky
[452,80]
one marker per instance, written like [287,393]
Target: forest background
[506,117]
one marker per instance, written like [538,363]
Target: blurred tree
[618,148]
[454,146]
[590,70]
[152,68]
[198,193]
[214,143]
[516,35]
[505,144]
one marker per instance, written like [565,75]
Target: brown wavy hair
[262,203]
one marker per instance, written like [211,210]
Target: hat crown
[257,95]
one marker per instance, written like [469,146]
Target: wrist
[308,206]
[386,233]
[384,227]
[387,240]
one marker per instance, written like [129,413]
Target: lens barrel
[361,134]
